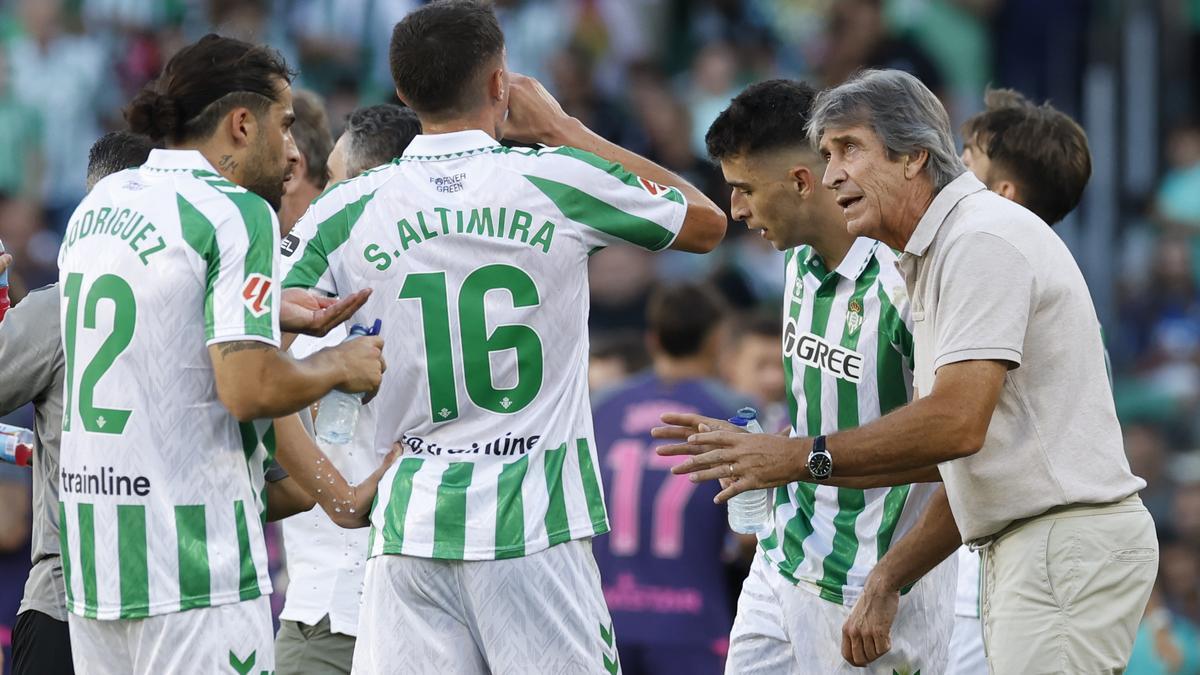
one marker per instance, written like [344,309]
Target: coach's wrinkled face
[869,186]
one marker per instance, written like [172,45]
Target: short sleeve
[610,204]
[242,271]
[308,251]
[984,300]
[29,347]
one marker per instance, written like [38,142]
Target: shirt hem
[268,339]
[184,604]
[496,553]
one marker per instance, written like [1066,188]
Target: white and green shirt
[847,348]
[477,255]
[161,487]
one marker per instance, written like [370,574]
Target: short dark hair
[202,83]
[439,51]
[1039,148]
[682,316]
[765,116]
[627,346]
[312,135]
[375,134]
[116,151]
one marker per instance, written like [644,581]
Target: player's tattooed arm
[256,380]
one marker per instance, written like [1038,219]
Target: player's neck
[482,120]
[673,369]
[833,247]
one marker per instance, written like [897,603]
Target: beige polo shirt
[988,280]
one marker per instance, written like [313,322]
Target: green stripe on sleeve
[591,487]
[600,215]
[558,528]
[450,511]
[200,234]
[248,575]
[397,507]
[261,248]
[191,535]
[87,559]
[65,554]
[135,574]
[331,233]
[611,168]
[510,510]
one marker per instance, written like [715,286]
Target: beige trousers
[1063,592]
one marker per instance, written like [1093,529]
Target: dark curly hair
[202,83]
[765,116]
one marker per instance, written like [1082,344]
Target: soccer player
[373,135]
[313,141]
[1038,157]
[325,563]
[661,565]
[170,324]
[31,371]
[847,346]
[480,554]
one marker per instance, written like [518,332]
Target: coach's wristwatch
[820,463]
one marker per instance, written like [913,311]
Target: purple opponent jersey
[661,563]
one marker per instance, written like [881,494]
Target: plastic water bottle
[4,301]
[16,445]
[750,512]
[337,417]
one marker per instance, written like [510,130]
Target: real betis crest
[854,317]
[798,290]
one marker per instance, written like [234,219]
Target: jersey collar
[450,145]
[177,160]
[852,266]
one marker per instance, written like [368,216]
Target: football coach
[1012,409]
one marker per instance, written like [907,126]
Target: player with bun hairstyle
[171,327]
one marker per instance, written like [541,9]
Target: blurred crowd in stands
[651,75]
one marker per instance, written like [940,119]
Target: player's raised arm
[535,117]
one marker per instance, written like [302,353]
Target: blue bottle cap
[748,413]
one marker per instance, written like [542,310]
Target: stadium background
[651,75]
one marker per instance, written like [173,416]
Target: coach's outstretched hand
[721,451]
[303,311]
[534,116]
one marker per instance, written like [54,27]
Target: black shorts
[41,645]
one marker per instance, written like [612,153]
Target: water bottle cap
[738,420]
[748,413]
[358,330]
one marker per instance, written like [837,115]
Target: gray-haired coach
[1015,412]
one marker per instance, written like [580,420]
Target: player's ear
[1007,189]
[498,86]
[803,179]
[242,126]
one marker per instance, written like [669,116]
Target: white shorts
[966,648]
[784,629]
[543,613]
[234,638]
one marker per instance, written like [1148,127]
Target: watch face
[820,466]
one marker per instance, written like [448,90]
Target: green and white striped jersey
[161,488]
[477,255]
[847,357]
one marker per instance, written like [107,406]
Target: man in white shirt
[325,562]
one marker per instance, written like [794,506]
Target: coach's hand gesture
[534,116]
[303,311]
[741,461]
